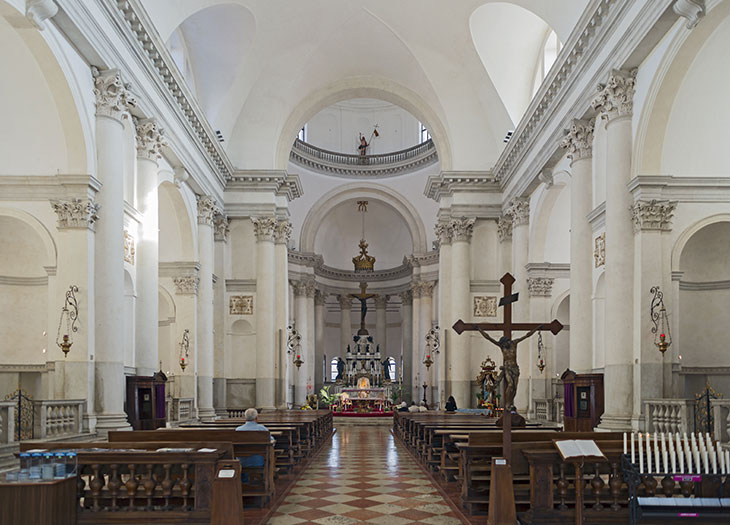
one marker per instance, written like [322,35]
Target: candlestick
[625,447]
[648,453]
[680,454]
[641,456]
[633,458]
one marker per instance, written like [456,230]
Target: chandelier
[363,262]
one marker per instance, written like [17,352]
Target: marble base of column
[110,383]
[205,398]
[614,383]
[219,396]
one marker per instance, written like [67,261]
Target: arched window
[392,369]
[333,370]
[545,60]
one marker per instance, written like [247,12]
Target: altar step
[363,421]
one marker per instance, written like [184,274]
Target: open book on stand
[574,449]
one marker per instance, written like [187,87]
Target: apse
[340,231]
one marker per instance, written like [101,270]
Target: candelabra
[540,353]
[660,319]
[70,312]
[184,349]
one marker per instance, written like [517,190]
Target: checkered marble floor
[364,476]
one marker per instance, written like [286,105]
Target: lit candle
[641,456]
[648,453]
[625,446]
[633,456]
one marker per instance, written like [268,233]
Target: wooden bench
[244,444]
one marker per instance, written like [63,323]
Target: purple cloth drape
[159,401]
[569,400]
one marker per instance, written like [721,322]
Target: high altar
[363,386]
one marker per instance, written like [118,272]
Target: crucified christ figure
[510,371]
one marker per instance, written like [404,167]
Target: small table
[51,502]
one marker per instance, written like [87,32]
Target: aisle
[363,476]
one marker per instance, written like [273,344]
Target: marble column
[504,233]
[520,213]
[425,324]
[282,234]
[415,372]
[221,227]
[405,364]
[321,365]
[304,312]
[112,103]
[579,142]
[652,224]
[461,232]
[73,375]
[445,364]
[381,324]
[265,228]
[615,105]
[345,324]
[149,143]
[207,210]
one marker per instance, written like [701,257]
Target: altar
[363,398]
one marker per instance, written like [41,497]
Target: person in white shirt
[413,407]
[256,460]
[422,407]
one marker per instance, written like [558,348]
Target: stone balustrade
[57,418]
[669,415]
[551,410]
[180,409]
[7,421]
[721,419]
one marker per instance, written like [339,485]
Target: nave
[363,476]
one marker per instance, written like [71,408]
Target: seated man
[413,407]
[422,407]
[256,460]
[403,407]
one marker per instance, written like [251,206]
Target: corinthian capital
[305,287]
[221,227]
[504,228]
[653,215]
[264,228]
[319,297]
[461,229]
[519,211]
[150,138]
[282,232]
[345,301]
[76,213]
[443,233]
[381,301]
[207,210]
[406,297]
[540,286]
[616,98]
[579,139]
[113,98]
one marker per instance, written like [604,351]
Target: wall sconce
[69,312]
[660,319]
[293,345]
[184,349]
[540,353]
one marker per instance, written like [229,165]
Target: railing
[548,409]
[669,415]
[362,165]
[721,419]
[7,421]
[60,417]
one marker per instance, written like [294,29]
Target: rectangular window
[425,135]
[302,135]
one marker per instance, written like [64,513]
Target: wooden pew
[476,456]
[147,484]
[245,444]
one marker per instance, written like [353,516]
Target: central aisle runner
[363,476]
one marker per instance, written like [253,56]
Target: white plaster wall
[242,244]
[695,143]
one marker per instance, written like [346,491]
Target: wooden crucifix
[363,298]
[510,370]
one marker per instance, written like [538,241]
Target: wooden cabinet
[583,401]
[145,404]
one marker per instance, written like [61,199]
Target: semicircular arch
[37,226]
[689,232]
[363,87]
[360,191]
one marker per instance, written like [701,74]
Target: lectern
[583,401]
[145,405]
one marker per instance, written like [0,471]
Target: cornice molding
[419,260]
[241,285]
[277,181]
[449,182]
[704,286]
[681,189]
[23,281]
[316,262]
[176,268]
[48,187]
[548,270]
